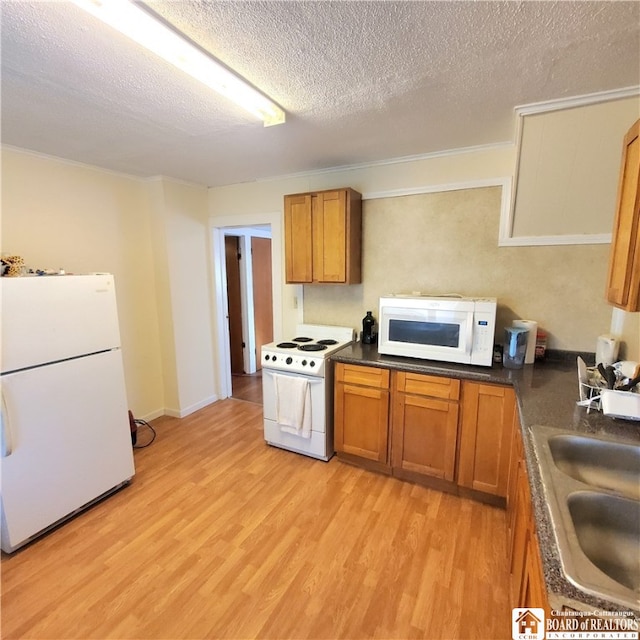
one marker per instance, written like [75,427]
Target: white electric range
[297,388]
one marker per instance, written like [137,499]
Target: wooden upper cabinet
[485,437]
[623,287]
[298,240]
[323,237]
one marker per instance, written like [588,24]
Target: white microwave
[447,328]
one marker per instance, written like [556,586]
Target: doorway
[234,304]
[267,225]
[249,301]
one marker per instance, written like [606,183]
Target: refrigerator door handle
[6,441]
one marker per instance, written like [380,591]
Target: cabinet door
[298,239]
[520,534]
[623,288]
[485,437]
[533,592]
[329,236]
[361,421]
[515,456]
[424,434]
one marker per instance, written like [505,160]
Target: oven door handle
[311,379]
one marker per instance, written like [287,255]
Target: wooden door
[234,301]
[485,437]
[329,236]
[262,294]
[298,238]
[623,287]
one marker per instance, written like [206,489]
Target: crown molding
[390,161]
[577,101]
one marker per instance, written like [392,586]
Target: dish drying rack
[596,393]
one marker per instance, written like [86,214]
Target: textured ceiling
[360,81]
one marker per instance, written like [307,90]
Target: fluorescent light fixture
[135,23]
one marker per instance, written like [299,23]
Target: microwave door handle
[469,333]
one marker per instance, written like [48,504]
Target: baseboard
[183,413]
[151,416]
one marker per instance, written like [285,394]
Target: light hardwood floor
[247,387]
[221,536]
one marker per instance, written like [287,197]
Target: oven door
[432,334]
[320,444]
[317,397]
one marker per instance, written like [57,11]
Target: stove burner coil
[287,345]
[328,341]
[303,339]
[312,347]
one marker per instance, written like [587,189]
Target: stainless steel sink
[600,463]
[608,530]
[592,485]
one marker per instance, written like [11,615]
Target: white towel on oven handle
[293,405]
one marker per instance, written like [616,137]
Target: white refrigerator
[65,437]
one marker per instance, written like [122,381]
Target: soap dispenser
[368,329]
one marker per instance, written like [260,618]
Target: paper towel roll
[532,326]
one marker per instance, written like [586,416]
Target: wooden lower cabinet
[485,437]
[441,431]
[449,434]
[527,586]
[516,455]
[424,428]
[519,535]
[361,411]
[533,592]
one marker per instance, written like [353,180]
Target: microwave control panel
[483,332]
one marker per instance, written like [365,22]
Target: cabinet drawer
[424,385]
[364,376]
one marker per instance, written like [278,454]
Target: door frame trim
[221,226]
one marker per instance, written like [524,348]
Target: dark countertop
[546,394]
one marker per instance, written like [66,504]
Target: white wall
[179,213]
[246,201]
[568,169]
[58,214]
[153,236]
[579,291]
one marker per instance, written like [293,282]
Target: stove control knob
[304,363]
[289,360]
[312,363]
[267,357]
[274,358]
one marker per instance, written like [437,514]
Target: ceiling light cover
[135,23]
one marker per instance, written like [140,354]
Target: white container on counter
[620,404]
